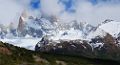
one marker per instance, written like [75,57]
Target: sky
[90,11]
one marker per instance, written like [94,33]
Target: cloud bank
[90,11]
[10,10]
[94,14]
[51,7]
[84,10]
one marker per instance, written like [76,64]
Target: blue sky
[68,3]
[35,4]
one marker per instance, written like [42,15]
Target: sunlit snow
[25,43]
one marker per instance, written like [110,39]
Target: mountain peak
[107,20]
[104,22]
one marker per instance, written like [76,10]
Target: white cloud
[66,17]
[85,11]
[10,10]
[94,14]
[51,7]
[107,12]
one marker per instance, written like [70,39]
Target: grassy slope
[20,56]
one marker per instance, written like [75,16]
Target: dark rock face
[73,47]
[108,50]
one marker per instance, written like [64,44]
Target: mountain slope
[106,47]
[12,55]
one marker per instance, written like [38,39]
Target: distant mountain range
[73,38]
[37,27]
[51,27]
[101,42]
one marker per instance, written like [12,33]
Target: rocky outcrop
[98,47]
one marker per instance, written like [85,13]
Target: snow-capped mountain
[74,30]
[111,27]
[30,27]
[106,47]
[99,43]
[93,38]
[34,27]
